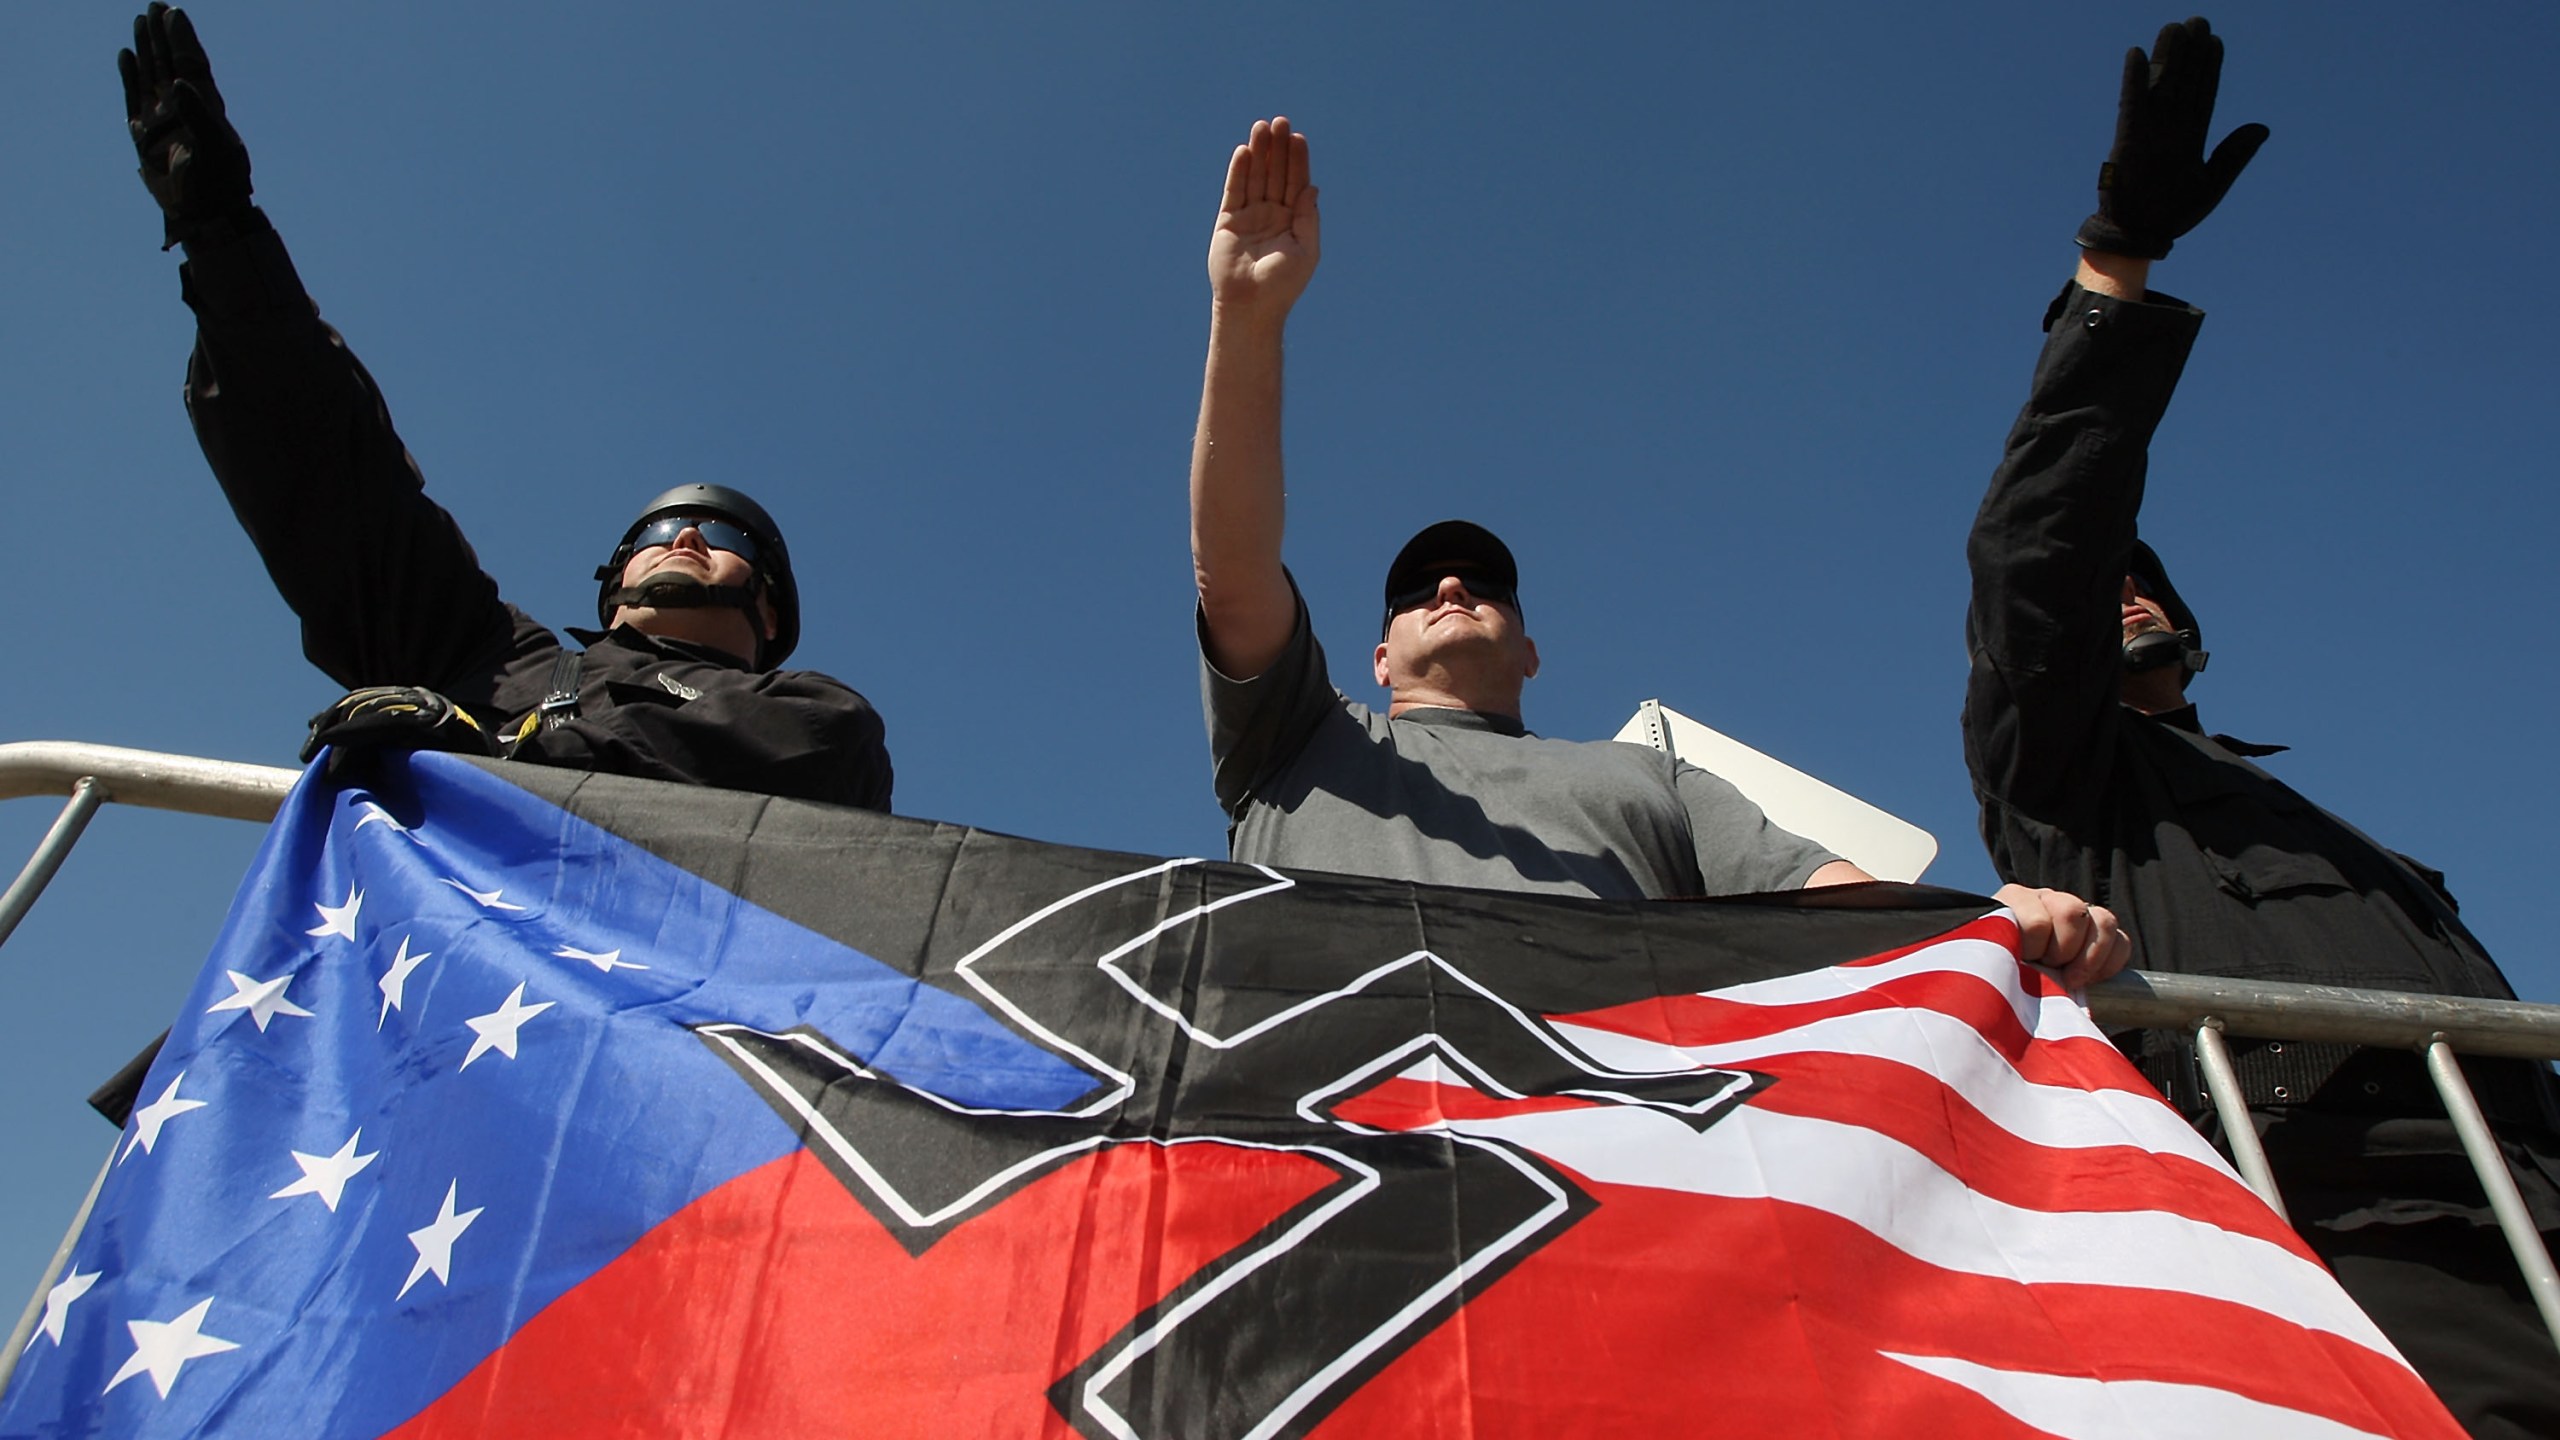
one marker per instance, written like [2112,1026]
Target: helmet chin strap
[664,591]
[2159,649]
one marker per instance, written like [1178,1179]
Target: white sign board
[1884,845]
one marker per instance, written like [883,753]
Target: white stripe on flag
[1905,1199]
[1981,959]
[2060,1117]
[2078,1408]
[2049,1017]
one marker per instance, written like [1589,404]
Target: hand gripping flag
[515,1102]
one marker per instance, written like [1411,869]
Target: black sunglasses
[717,533]
[1482,589]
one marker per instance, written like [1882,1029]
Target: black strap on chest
[560,702]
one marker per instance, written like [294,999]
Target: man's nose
[690,538]
[1453,589]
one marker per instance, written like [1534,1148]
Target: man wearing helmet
[2094,774]
[697,603]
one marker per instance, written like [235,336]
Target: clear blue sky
[1717,312]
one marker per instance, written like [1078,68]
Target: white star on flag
[606,961]
[327,1175]
[497,1029]
[374,814]
[435,1241]
[339,920]
[263,999]
[161,1346]
[488,898]
[395,981]
[57,1305]
[148,1120]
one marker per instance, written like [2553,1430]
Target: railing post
[24,1335]
[2505,1201]
[86,796]
[2223,1084]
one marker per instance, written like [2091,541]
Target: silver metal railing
[2203,1006]
[91,775]
[2435,1026]
[94,774]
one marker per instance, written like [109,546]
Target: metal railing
[91,775]
[94,774]
[2203,1006]
[2207,1006]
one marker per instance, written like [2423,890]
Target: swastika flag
[516,1102]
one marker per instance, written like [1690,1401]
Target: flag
[515,1102]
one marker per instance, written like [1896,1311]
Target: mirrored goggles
[717,533]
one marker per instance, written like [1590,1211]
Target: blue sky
[1718,313]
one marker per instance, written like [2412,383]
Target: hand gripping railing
[2202,1005]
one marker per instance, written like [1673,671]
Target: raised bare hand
[1266,244]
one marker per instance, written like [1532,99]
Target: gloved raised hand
[192,160]
[397,717]
[2158,183]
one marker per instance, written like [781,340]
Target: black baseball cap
[1452,547]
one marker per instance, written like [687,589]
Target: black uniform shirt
[390,593]
[2217,866]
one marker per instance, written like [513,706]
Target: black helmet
[772,563]
[2185,648]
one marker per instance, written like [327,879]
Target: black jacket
[2217,866]
[390,593]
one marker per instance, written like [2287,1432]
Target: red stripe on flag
[1673,1314]
[1701,1021]
[1941,1122]
[1915,1109]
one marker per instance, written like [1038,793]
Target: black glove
[2157,183]
[397,717]
[192,160]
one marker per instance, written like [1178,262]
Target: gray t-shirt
[1312,780]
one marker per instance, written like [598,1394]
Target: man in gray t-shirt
[1446,787]
[1454,795]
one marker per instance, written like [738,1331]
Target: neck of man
[717,627]
[2154,692]
[1443,693]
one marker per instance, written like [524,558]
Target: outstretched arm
[2049,544]
[1260,257]
[388,591]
